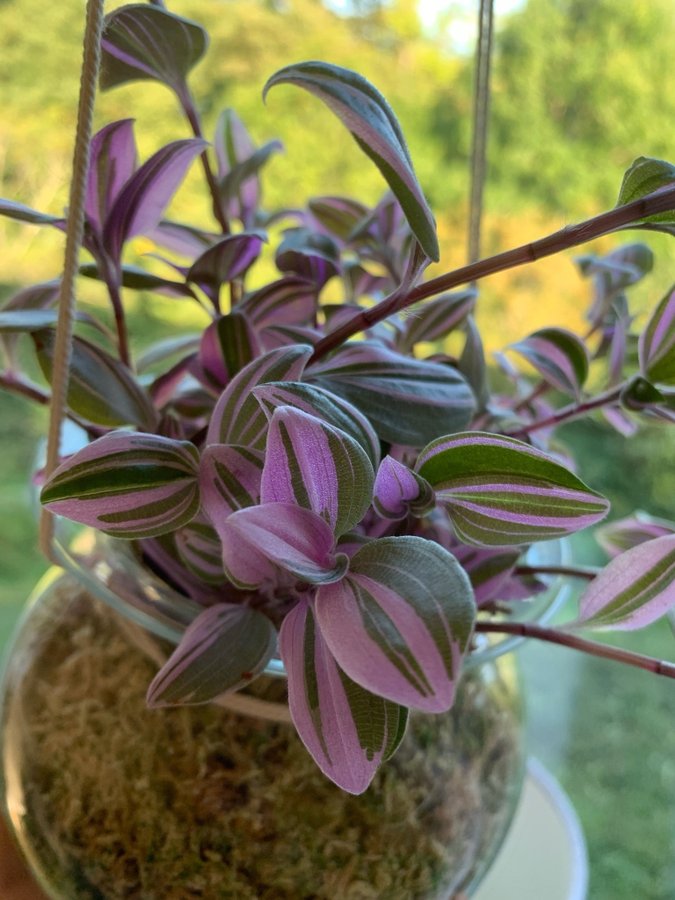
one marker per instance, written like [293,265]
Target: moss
[122,801]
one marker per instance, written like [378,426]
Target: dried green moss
[204,803]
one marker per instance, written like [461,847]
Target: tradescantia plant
[311,479]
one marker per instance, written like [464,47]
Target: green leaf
[25,214]
[644,177]
[372,123]
[142,41]
[657,342]
[100,388]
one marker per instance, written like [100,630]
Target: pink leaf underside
[635,589]
[397,488]
[238,417]
[264,545]
[319,704]
[112,163]
[316,466]
[229,479]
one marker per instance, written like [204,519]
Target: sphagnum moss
[201,802]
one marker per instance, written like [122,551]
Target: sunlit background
[579,90]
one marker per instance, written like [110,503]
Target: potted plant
[312,512]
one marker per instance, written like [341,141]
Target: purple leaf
[227,260]
[289,301]
[142,41]
[372,123]
[112,163]
[100,388]
[435,320]
[489,570]
[559,356]
[141,202]
[128,485]
[339,216]
[400,621]
[227,345]
[314,465]
[400,491]
[325,406]
[657,343]
[635,589]
[500,491]
[308,255]
[199,548]
[229,478]
[223,649]
[260,541]
[347,730]
[238,417]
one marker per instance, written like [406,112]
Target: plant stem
[24,389]
[113,280]
[569,412]
[190,111]
[570,236]
[587,572]
[605,651]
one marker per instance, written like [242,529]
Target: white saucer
[544,856]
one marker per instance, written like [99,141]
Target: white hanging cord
[74,233]
[481,106]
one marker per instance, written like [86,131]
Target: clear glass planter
[108,799]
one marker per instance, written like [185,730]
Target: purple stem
[570,236]
[568,413]
[605,651]
[192,116]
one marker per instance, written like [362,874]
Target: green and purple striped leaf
[238,418]
[339,216]
[617,537]
[229,477]
[399,491]
[489,570]
[499,491]
[227,345]
[142,200]
[323,405]
[435,320]
[128,485]
[645,176]
[36,297]
[347,730]
[408,401]
[657,343]
[142,41]
[264,545]
[314,465]
[140,280]
[400,621]
[635,589]
[559,356]
[112,163]
[100,388]
[289,301]
[306,254]
[198,546]
[227,260]
[372,123]
[223,649]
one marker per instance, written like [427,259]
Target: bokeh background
[579,90]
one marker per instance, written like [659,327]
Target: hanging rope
[481,106]
[74,233]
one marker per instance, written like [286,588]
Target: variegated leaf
[227,345]
[371,121]
[489,570]
[500,491]
[325,406]
[140,203]
[400,621]
[264,545]
[199,548]
[100,388]
[128,485]
[559,356]
[289,301]
[227,260]
[435,320]
[314,465]
[223,649]
[229,477]
[399,491]
[633,590]
[616,537]
[348,730]
[408,401]
[308,255]
[339,216]
[657,343]
[238,417]
[142,41]
[112,163]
